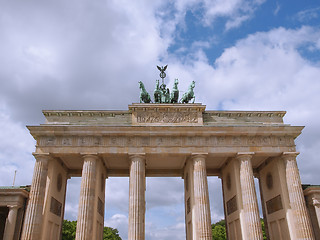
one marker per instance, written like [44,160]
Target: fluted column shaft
[11,222]
[137,188]
[252,224]
[316,205]
[202,219]
[301,218]
[87,197]
[33,217]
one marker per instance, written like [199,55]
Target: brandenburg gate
[169,140]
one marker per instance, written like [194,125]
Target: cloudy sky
[81,54]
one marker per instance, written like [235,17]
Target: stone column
[201,219]
[252,224]
[11,222]
[137,188]
[33,218]
[87,197]
[316,204]
[301,218]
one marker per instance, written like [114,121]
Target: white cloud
[177,230]
[235,11]
[119,222]
[308,14]
[277,9]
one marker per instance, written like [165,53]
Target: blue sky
[81,54]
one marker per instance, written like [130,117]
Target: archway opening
[165,212]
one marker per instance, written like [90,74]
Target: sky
[81,54]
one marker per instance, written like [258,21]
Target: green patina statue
[187,96]
[157,93]
[144,95]
[162,93]
[175,92]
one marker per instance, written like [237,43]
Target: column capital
[44,157]
[244,155]
[137,155]
[89,155]
[199,155]
[315,202]
[14,206]
[289,155]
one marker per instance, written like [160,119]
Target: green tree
[263,229]
[69,231]
[219,230]
[110,234]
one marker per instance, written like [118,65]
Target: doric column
[33,217]
[11,222]
[316,204]
[202,219]
[137,188]
[301,218]
[87,197]
[252,224]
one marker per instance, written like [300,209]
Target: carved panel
[100,207]
[167,117]
[55,207]
[232,205]
[274,204]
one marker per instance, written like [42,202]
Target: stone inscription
[55,207]
[274,204]
[167,117]
[166,141]
[232,205]
[100,207]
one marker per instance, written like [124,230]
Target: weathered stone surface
[201,218]
[137,187]
[87,198]
[303,228]
[251,223]
[32,228]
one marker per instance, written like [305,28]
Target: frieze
[167,117]
[166,141]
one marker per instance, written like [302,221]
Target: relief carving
[232,205]
[100,207]
[55,207]
[49,141]
[67,141]
[274,204]
[132,141]
[167,117]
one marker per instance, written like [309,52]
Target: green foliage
[219,230]
[263,229]
[110,234]
[69,231]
